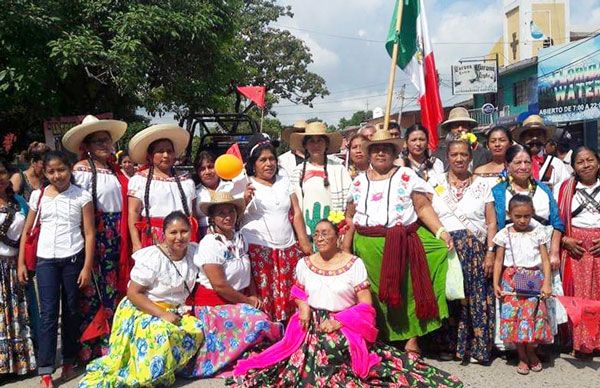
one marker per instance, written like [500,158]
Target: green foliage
[273,57]
[60,58]
[356,119]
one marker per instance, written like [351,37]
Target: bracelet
[439,232]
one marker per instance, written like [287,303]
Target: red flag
[97,328]
[235,151]
[255,93]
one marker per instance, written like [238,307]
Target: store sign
[569,81]
[474,78]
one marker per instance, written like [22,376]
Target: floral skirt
[230,330]
[523,319]
[586,284]
[16,348]
[273,275]
[106,265]
[475,316]
[401,323]
[323,360]
[144,350]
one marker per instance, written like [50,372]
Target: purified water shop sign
[569,81]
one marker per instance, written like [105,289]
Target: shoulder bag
[31,240]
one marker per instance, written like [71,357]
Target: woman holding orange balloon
[209,182]
[276,241]
[157,190]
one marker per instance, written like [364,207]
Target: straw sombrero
[299,126]
[533,122]
[222,197]
[459,115]
[74,137]
[383,137]
[316,128]
[138,145]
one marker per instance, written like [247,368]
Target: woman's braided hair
[326,177]
[184,203]
[428,158]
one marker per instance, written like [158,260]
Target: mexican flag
[415,57]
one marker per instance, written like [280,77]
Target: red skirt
[586,284]
[273,275]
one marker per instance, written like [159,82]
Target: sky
[356,67]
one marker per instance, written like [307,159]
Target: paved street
[563,372]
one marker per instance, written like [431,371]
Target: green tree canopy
[65,58]
[356,119]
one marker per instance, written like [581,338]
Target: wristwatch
[491,249]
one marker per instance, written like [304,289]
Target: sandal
[523,370]
[68,372]
[536,367]
[46,381]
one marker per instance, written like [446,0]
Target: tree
[357,118]
[64,58]
[273,57]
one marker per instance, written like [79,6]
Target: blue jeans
[57,279]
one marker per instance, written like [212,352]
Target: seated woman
[330,340]
[150,340]
[225,298]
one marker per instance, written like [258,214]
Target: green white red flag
[415,58]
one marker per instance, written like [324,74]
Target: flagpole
[262,115]
[392,78]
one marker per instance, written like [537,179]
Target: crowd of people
[339,262]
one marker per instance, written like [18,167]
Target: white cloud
[455,25]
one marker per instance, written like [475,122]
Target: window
[520,93]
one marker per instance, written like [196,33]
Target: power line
[337,100]
[347,37]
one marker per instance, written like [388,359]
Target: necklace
[381,177]
[531,187]
[459,187]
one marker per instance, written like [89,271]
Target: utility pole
[401,97]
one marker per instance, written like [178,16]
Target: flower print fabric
[144,350]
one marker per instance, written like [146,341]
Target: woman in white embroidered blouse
[465,207]
[331,341]
[97,173]
[321,184]
[158,190]
[65,254]
[18,355]
[149,325]
[225,297]
[578,200]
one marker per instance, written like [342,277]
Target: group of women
[199,279]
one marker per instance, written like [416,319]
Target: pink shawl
[358,326]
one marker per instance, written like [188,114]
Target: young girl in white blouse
[522,257]
[65,253]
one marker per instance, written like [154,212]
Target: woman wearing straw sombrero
[96,172]
[406,262]
[157,189]
[321,184]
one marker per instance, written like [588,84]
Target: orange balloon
[228,166]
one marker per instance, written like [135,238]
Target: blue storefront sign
[569,81]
